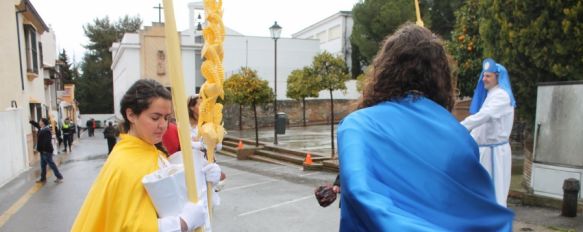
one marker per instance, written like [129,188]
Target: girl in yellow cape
[118,200]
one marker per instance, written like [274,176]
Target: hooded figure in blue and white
[490,124]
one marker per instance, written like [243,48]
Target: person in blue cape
[406,164]
[490,123]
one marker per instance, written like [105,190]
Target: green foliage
[375,19]
[95,85]
[442,14]
[537,41]
[361,81]
[465,47]
[246,88]
[68,73]
[357,61]
[329,71]
[302,84]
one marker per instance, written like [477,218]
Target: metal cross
[159,7]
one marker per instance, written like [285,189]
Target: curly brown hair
[411,61]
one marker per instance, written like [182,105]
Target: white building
[139,54]
[293,53]
[27,67]
[333,33]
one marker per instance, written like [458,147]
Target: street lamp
[275,33]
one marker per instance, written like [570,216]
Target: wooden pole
[179,99]
[418,13]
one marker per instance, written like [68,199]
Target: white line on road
[308,174]
[276,205]
[248,186]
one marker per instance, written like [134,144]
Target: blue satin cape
[409,165]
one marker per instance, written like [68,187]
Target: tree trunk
[256,128]
[304,105]
[332,121]
[240,117]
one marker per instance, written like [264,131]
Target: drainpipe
[19,48]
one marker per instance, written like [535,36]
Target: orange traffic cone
[240,145]
[308,160]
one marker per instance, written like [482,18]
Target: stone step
[330,165]
[266,159]
[282,157]
[228,153]
[230,149]
[302,154]
[230,143]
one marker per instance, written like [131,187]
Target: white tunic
[491,128]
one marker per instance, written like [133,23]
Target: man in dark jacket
[110,133]
[45,147]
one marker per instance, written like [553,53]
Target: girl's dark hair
[411,60]
[139,97]
[192,102]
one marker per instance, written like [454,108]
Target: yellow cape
[118,200]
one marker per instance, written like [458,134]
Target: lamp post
[275,33]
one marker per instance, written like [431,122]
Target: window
[335,32]
[31,50]
[40,51]
[322,37]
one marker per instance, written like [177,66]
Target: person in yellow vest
[118,200]
[68,133]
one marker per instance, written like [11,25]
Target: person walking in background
[90,124]
[110,133]
[490,124]
[44,146]
[68,133]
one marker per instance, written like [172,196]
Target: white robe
[199,163]
[491,128]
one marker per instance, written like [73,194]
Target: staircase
[278,155]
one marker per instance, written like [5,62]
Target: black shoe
[65,150]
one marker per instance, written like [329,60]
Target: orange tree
[300,85]
[331,74]
[245,88]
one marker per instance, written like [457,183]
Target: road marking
[308,174]
[276,205]
[248,186]
[18,204]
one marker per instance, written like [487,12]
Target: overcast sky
[249,17]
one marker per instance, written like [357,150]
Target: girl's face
[151,124]
[194,108]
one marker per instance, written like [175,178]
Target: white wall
[49,42]
[258,53]
[13,142]
[125,67]
[336,46]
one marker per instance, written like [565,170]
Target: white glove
[194,215]
[212,172]
[197,145]
[219,147]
